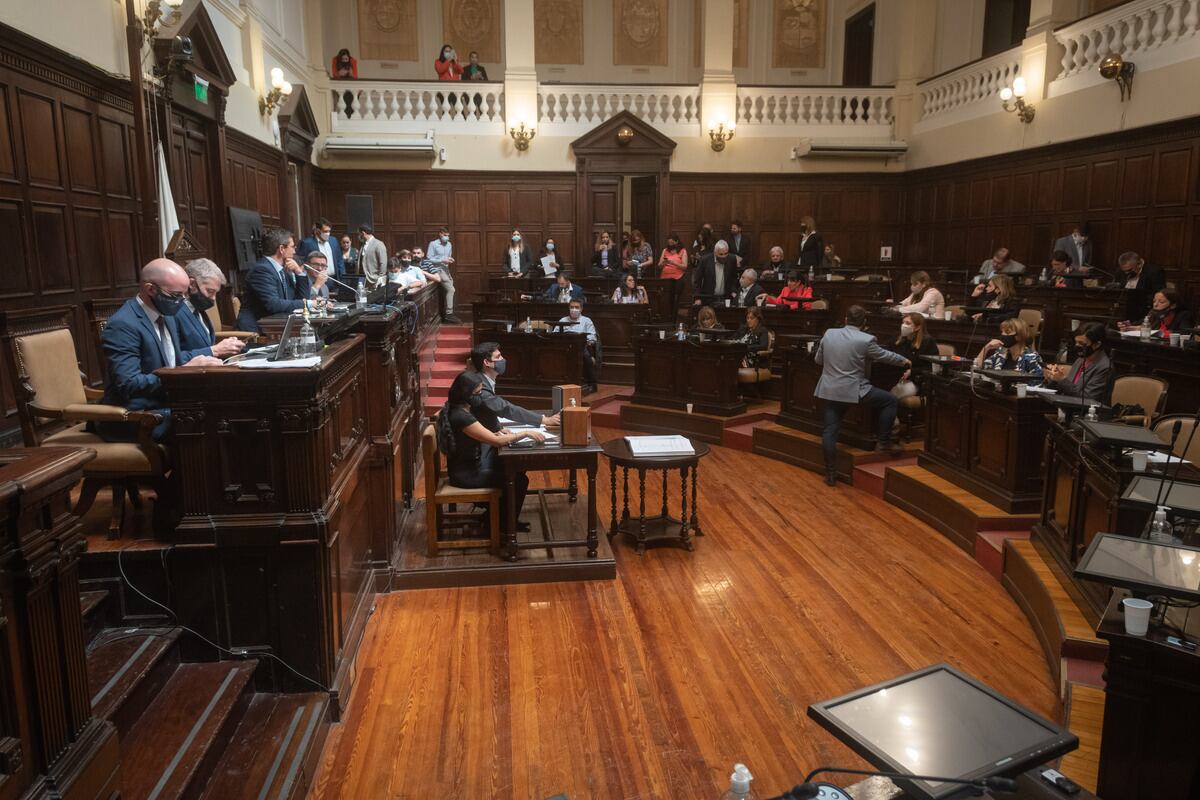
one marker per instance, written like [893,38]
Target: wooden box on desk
[574,426]
[564,394]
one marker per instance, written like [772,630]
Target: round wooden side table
[663,527]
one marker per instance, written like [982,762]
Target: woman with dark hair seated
[788,297]
[1011,350]
[754,335]
[464,426]
[998,297]
[912,343]
[1089,374]
[1166,317]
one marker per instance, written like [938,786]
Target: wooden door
[191,180]
[604,201]
[859,50]
[643,202]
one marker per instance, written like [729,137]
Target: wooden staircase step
[1085,719]
[274,752]
[126,669]
[178,741]
[91,605]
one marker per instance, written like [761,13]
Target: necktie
[168,346]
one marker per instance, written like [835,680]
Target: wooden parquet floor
[655,684]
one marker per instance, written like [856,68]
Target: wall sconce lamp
[1115,68]
[279,90]
[1023,110]
[522,136]
[157,14]
[719,133]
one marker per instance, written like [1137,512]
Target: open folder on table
[658,446]
[551,438]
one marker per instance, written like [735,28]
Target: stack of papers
[294,363]
[1042,390]
[551,438]
[658,446]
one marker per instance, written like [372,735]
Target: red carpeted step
[870,477]
[739,437]
[440,370]
[989,549]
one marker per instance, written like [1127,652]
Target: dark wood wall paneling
[480,209]
[253,179]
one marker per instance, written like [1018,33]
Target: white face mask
[906,329]
[324,237]
[575,312]
[393,277]
[550,247]
[516,239]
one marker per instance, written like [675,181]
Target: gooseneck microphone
[332,279]
[809,790]
[1179,464]
[1162,481]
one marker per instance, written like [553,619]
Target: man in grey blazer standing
[1078,246]
[372,258]
[843,355]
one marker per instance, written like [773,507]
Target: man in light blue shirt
[576,322]
[440,255]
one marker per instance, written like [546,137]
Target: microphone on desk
[329,277]
[809,790]
[1175,429]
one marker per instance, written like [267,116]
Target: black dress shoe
[450,319]
[891,448]
[831,479]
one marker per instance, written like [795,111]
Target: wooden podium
[275,551]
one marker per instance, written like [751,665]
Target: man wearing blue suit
[141,337]
[195,328]
[843,355]
[321,242]
[276,284]
[562,290]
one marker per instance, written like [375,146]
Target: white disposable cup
[937,369]
[689,408]
[1139,460]
[810,346]
[662,334]
[1062,415]
[949,316]
[1074,324]
[508,327]
[1022,390]
[728,302]
[1176,340]
[1137,615]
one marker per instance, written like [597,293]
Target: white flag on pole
[168,220]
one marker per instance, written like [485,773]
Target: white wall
[92,30]
[959,36]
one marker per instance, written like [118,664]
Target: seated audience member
[1142,280]
[629,292]
[606,259]
[1060,272]
[316,266]
[349,255]
[320,241]
[1001,263]
[561,291]
[1089,374]
[673,265]
[706,320]
[749,290]
[196,334]
[276,284]
[404,273]
[578,323]
[1078,245]
[812,244]
[830,261]
[1166,317]
[997,297]
[774,266]
[739,244]
[1012,351]
[141,337]
[754,335]
[714,276]
[489,362]
[468,434]
[549,250]
[432,275]
[638,255]
[795,289]
[843,355]
[913,342]
[924,298]
[517,261]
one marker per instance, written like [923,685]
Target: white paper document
[294,363]
[551,438]
[548,265]
[656,446]
[1041,390]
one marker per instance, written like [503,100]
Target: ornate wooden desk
[537,362]
[275,548]
[987,442]
[664,527]
[670,373]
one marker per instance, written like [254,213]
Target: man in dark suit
[1078,245]
[1141,280]
[562,290]
[141,337]
[748,289]
[276,284]
[739,244]
[321,241]
[195,328]
[714,277]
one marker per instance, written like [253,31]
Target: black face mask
[1008,339]
[200,302]
[674,248]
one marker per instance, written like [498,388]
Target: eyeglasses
[171,295]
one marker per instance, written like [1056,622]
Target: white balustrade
[1130,30]
[971,84]
[770,107]
[565,107]
[417,106]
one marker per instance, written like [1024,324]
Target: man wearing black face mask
[1089,375]
[141,337]
[196,332]
[488,361]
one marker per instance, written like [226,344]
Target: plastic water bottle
[1146,327]
[811,274]
[360,295]
[308,339]
[681,334]
[528,325]
[1044,276]
[1161,530]
[739,785]
[1091,413]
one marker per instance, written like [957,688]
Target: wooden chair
[1148,392]
[909,407]
[439,493]
[1187,446]
[756,376]
[955,311]
[54,405]
[820,305]
[1033,318]
[222,332]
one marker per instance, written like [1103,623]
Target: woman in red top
[795,288]
[447,66]
[673,265]
[344,66]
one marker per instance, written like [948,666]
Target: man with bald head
[142,336]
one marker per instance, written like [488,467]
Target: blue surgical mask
[166,305]
[516,239]
[550,247]
[499,365]
[444,239]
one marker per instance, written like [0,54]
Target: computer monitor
[1143,566]
[939,721]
